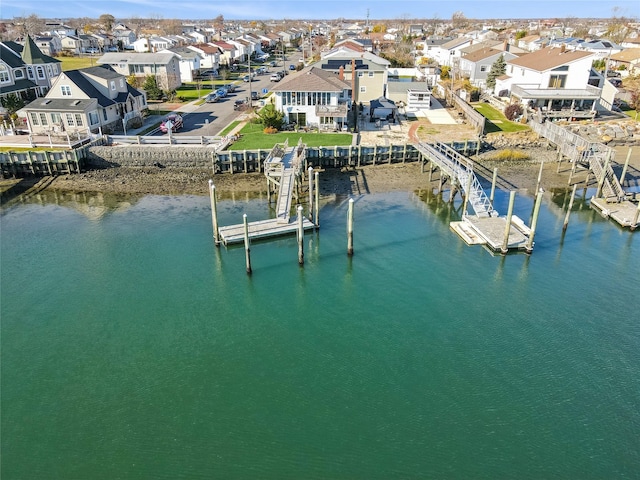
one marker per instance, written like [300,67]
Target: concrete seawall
[144,156]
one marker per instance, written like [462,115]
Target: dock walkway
[282,168]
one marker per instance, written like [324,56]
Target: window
[30,73]
[360,74]
[49,71]
[104,113]
[43,119]
[78,119]
[370,74]
[40,71]
[17,73]
[93,118]
[66,90]
[34,118]
[69,117]
[557,81]
[113,86]
[4,74]
[122,83]
[363,89]
[483,68]
[56,119]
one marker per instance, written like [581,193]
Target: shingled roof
[312,79]
[548,58]
[31,54]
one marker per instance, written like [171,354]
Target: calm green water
[132,348]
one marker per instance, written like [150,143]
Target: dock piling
[566,217]
[493,184]
[317,202]
[636,215]
[539,176]
[311,194]
[626,165]
[214,212]
[350,228]
[300,236]
[534,223]
[507,228]
[247,250]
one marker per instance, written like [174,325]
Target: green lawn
[496,121]
[75,63]
[253,138]
[229,127]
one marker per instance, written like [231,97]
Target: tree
[521,34]
[458,20]
[107,21]
[271,117]
[151,87]
[218,23]
[32,25]
[498,68]
[632,85]
[12,103]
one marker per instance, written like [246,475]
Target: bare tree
[32,25]
[459,20]
[107,21]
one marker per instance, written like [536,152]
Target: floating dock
[490,231]
[624,213]
[260,230]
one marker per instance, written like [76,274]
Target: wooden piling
[573,170]
[300,236]
[466,196]
[603,176]
[247,250]
[534,223]
[507,228]
[493,184]
[214,212]
[539,176]
[311,194]
[636,215]
[350,228]
[624,169]
[317,202]
[566,217]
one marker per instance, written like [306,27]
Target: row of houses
[554,81]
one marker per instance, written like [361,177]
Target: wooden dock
[624,213]
[489,231]
[260,230]
[283,169]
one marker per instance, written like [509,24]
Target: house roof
[18,86]
[136,58]
[485,53]
[32,55]
[83,83]
[548,58]
[8,56]
[60,104]
[456,42]
[312,79]
[626,55]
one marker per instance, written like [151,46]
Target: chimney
[505,47]
[563,47]
[341,72]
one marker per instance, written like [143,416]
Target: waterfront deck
[260,230]
[624,213]
[489,231]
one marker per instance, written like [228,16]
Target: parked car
[221,92]
[239,104]
[247,78]
[208,73]
[292,66]
[272,63]
[112,48]
[275,77]
[92,50]
[255,96]
[616,82]
[230,87]
[261,70]
[212,98]
[173,121]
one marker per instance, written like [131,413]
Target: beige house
[164,66]
[95,99]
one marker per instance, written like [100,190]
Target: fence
[45,162]
[164,140]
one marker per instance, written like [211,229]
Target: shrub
[270,130]
[513,111]
[509,155]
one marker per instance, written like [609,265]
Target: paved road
[211,118]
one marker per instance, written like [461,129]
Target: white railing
[165,140]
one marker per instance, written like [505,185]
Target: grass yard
[75,63]
[496,121]
[229,127]
[253,138]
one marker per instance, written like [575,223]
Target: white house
[189,62]
[165,67]
[314,97]
[553,81]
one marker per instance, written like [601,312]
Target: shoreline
[512,175]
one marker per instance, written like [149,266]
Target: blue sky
[319,9]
